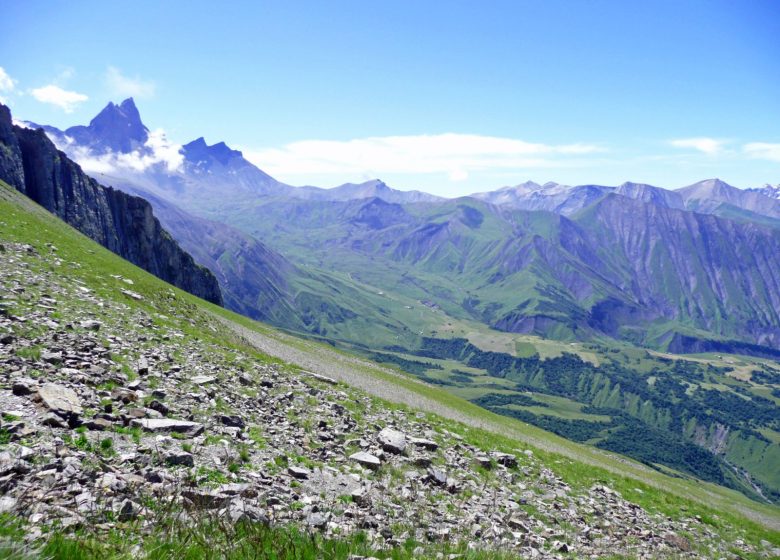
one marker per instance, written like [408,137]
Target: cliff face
[11,169]
[125,224]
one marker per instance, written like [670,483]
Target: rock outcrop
[125,224]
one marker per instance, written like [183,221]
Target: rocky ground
[110,412]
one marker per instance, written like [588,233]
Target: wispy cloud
[762,150]
[7,84]
[55,95]
[157,150]
[120,85]
[453,154]
[709,146]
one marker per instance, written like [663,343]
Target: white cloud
[453,154]
[709,146]
[157,150]
[120,85]
[762,150]
[55,95]
[7,84]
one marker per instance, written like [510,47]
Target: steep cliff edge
[125,224]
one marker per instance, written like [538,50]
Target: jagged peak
[199,150]
[128,104]
[197,143]
[125,111]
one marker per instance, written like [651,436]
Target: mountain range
[691,269]
[533,292]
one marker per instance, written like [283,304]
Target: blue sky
[448,97]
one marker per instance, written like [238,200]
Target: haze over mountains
[688,269]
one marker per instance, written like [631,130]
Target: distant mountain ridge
[768,191]
[708,197]
[551,259]
[118,129]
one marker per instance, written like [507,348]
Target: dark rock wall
[122,223]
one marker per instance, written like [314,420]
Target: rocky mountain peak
[198,151]
[378,184]
[650,194]
[123,117]
[117,128]
[529,185]
[710,187]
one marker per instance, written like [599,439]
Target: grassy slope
[581,466]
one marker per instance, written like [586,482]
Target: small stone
[177,458]
[99,424]
[53,358]
[437,476]
[518,523]
[124,395]
[53,421]
[366,459]
[317,520]
[299,472]
[132,295]
[392,440]
[234,421]
[359,496]
[241,511]
[505,459]
[162,408]
[168,425]
[135,413]
[61,400]
[128,510]
[203,379]
[24,386]
[424,443]
[7,504]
